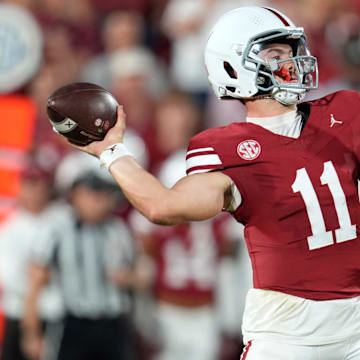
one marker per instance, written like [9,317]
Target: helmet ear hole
[230,70]
[230,88]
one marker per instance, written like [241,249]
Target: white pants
[187,334]
[269,350]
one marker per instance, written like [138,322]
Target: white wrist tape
[111,153]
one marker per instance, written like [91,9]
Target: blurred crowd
[81,272]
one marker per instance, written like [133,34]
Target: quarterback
[289,174]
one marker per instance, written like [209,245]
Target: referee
[92,253]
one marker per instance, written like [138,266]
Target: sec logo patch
[249,149]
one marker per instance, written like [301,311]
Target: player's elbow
[159,217]
[162,215]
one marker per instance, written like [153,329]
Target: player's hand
[113,136]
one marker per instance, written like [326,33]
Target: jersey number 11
[320,237]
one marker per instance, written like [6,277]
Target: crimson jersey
[187,257]
[300,203]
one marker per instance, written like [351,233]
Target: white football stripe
[199,150]
[203,160]
[64,126]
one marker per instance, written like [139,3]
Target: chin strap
[262,96]
[288,96]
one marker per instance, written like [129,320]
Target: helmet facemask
[286,77]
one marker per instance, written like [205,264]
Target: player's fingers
[121,116]
[76,146]
[88,148]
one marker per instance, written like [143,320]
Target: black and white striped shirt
[84,255]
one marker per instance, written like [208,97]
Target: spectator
[48,145]
[120,30]
[134,78]
[123,31]
[343,33]
[60,53]
[314,17]
[186,262]
[222,113]
[92,253]
[106,7]
[176,118]
[231,293]
[188,23]
[19,234]
[75,163]
[78,17]
[135,63]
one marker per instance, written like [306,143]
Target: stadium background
[140,50]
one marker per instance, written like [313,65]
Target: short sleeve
[201,156]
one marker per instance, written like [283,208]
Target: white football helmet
[235,67]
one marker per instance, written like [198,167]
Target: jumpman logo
[112,149]
[333,121]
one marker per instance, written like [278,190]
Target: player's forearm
[191,199]
[145,192]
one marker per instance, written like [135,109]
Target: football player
[289,174]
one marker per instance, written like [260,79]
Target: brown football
[82,112]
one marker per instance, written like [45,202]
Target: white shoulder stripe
[202,160]
[198,171]
[200,150]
